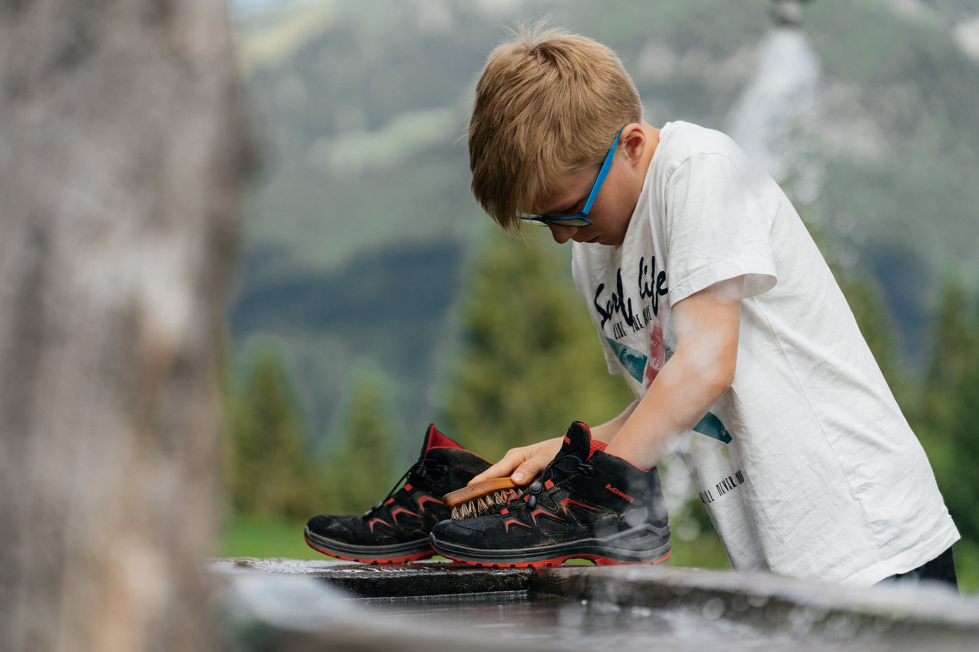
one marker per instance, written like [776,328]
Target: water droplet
[757,601]
[713,609]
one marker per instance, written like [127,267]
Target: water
[774,117]
[561,624]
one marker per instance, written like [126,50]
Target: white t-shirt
[806,464]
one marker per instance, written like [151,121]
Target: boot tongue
[435,439]
[577,441]
[579,445]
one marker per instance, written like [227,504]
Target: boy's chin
[602,239]
[586,238]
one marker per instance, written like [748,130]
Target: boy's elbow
[725,377]
[718,375]
[712,368]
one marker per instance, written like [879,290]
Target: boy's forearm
[607,431]
[698,374]
[679,397]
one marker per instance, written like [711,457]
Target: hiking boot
[396,529]
[585,505]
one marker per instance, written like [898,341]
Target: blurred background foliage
[375,297]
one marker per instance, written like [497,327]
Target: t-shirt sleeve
[717,229]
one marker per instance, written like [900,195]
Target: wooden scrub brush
[481,498]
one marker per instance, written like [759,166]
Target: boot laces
[419,469]
[537,486]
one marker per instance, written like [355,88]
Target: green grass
[706,551]
[254,536]
[967,566]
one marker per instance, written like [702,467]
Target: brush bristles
[484,504]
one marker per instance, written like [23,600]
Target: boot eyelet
[532,501]
[536,487]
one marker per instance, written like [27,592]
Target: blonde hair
[547,104]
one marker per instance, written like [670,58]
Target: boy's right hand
[522,464]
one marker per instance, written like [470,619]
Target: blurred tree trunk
[122,153]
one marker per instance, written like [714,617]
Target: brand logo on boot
[620,494]
[567,440]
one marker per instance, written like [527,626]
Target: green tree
[270,471]
[865,300]
[963,499]
[531,361]
[951,404]
[953,339]
[361,468]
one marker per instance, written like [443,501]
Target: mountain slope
[364,186]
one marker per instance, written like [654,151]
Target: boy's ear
[634,142]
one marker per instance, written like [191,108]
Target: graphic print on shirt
[658,355]
[616,309]
[723,486]
[639,366]
[711,426]
[617,305]
[631,360]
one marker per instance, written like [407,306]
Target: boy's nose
[561,234]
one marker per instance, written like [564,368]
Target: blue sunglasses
[581,219]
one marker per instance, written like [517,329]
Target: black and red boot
[396,529]
[585,505]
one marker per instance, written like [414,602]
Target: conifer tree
[953,336]
[361,468]
[951,402]
[865,300]
[271,473]
[531,361]
[964,434]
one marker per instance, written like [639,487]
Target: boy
[713,302]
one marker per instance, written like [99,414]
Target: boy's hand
[522,464]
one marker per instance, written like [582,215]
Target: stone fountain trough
[280,605]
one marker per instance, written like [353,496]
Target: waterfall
[773,119]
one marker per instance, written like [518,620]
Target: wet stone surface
[767,609]
[432,606]
[397,580]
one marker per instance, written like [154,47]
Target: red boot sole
[557,561]
[425,554]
